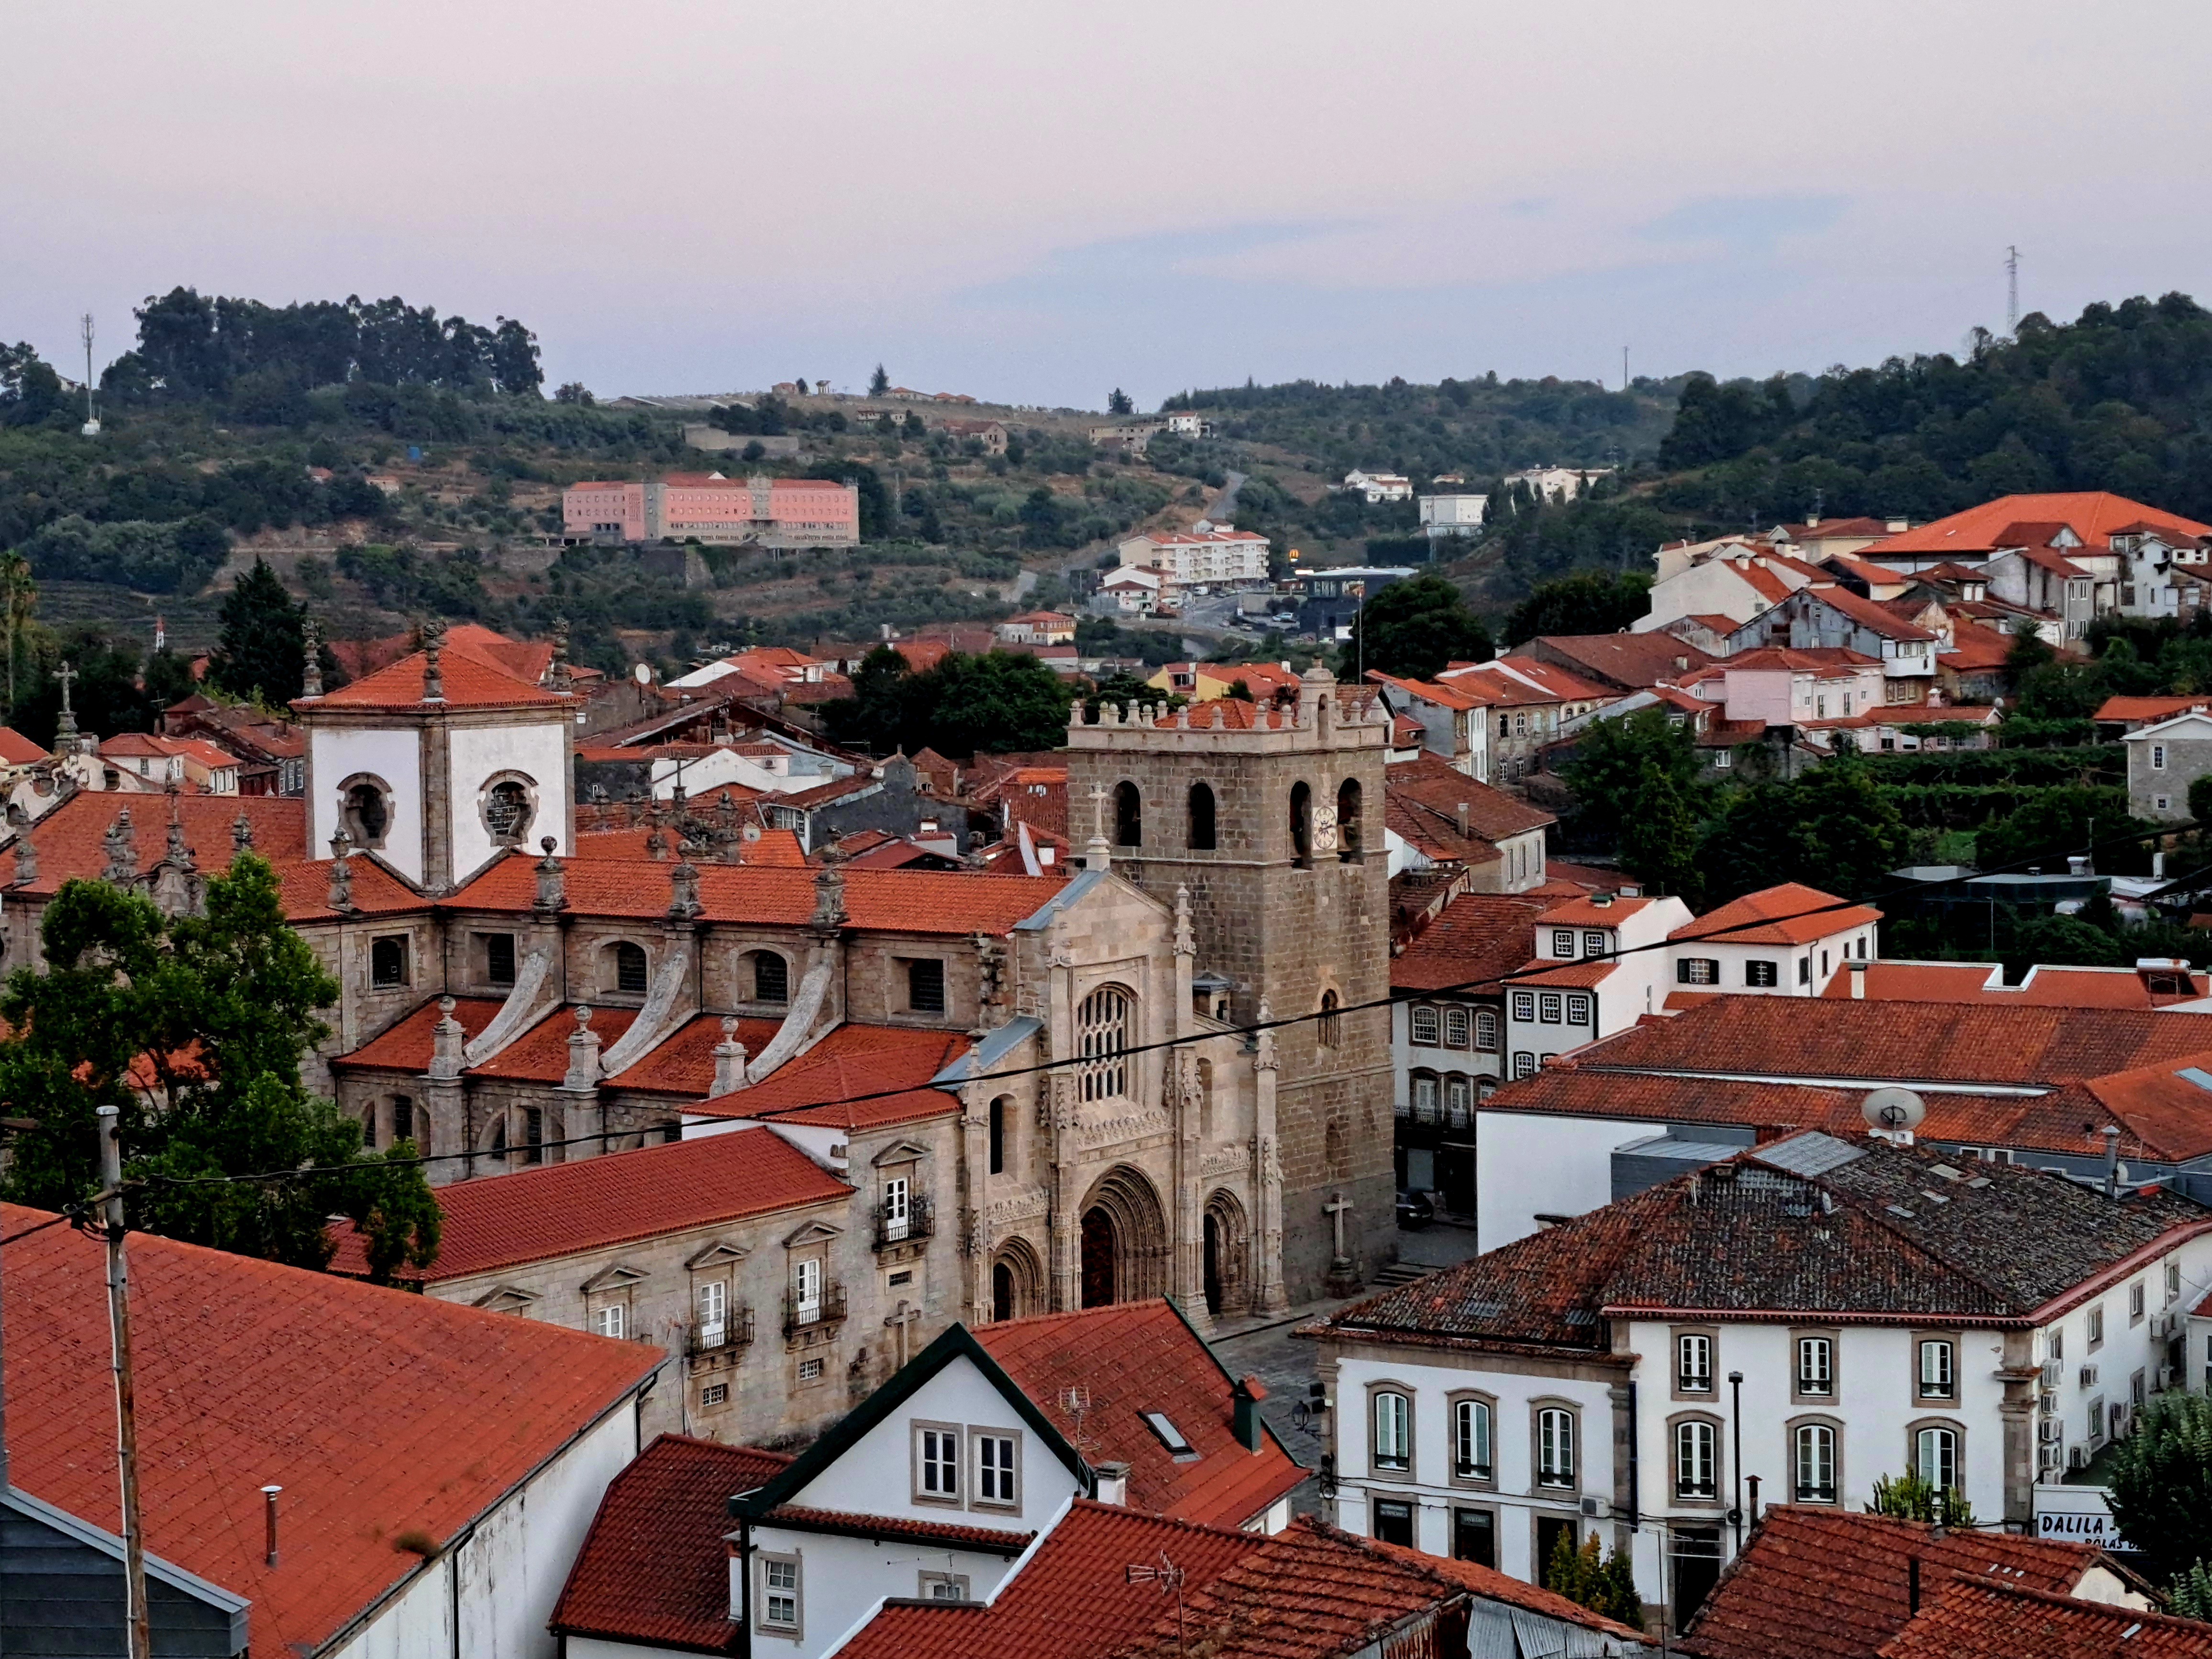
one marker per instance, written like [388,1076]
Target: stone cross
[1334,1211]
[65,730]
[898,1323]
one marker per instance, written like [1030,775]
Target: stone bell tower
[1271,819]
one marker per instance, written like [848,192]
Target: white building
[1452,515]
[1790,940]
[1558,483]
[1377,487]
[1136,591]
[1208,554]
[1608,976]
[1832,1310]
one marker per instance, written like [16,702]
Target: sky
[1037,203]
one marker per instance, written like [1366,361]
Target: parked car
[1414,1209]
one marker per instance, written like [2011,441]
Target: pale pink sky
[1038,202]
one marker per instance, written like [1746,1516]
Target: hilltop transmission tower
[91,427]
[2012,290]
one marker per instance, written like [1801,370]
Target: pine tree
[259,652]
[878,382]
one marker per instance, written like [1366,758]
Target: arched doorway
[1228,1256]
[1098,1252]
[1002,1291]
[1016,1281]
[1124,1240]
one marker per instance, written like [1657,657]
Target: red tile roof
[1792,913]
[70,838]
[958,903]
[1136,1357]
[1071,1600]
[560,1210]
[654,1568]
[858,1077]
[1827,660]
[469,682]
[16,750]
[683,1063]
[1589,909]
[380,1413]
[1574,975]
[405,1046]
[801,1518]
[540,1055]
[2150,708]
[1982,983]
[1825,1583]
[1494,1586]
[1637,660]
[1476,939]
[1975,1618]
[2093,516]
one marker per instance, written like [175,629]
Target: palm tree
[19,600]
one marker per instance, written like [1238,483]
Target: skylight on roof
[1171,1437]
[2198,1075]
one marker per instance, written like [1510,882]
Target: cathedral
[1165,1073]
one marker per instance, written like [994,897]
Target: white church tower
[438,763]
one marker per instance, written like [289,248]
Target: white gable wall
[337,753]
[478,754]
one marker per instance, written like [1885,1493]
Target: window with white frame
[1563,941]
[1578,1008]
[1555,1446]
[1456,1028]
[1697,1444]
[1816,1365]
[1524,1064]
[898,1206]
[1592,944]
[1548,1005]
[1936,1379]
[1813,1457]
[712,1300]
[1471,1436]
[611,1318]
[1427,1032]
[2158,757]
[1392,1415]
[779,1605]
[1104,1027]
[996,1468]
[936,1463]
[1762,972]
[1424,1097]
[1486,1029]
[2173,1281]
[2135,1297]
[806,1289]
[1459,1097]
[2097,1326]
[944,1586]
[1524,1006]
[1935,1457]
[1693,1364]
[1696,970]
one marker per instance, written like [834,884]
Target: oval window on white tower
[365,808]
[508,805]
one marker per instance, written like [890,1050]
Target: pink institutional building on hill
[715,510]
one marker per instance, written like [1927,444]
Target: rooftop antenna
[2012,289]
[91,427]
[1168,1577]
[1075,1402]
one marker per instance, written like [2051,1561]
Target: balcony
[828,1310]
[705,1341]
[911,1222]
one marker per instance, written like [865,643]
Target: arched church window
[1302,825]
[1104,1023]
[629,967]
[1331,1022]
[1347,821]
[1128,815]
[1201,817]
[509,805]
[771,977]
[365,805]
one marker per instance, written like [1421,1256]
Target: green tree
[1659,837]
[1118,402]
[2200,798]
[878,382]
[1417,628]
[1604,1584]
[2161,1484]
[1607,771]
[2067,820]
[2062,939]
[994,702]
[19,602]
[193,1027]
[106,695]
[260,652]
[1908,1497]
[1593,602]
[166,678]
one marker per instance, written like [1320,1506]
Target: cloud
[1746,224]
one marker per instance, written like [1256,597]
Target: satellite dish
[752,832]
[1892,1109]
[642,673]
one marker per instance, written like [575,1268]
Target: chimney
[268,1509]
[2111,1160]
[2158,866]
[1113,1483]
[1463,806]
[1248,1394]
[2077,866]
[1857,965]
[1899,526]
[1912,1584]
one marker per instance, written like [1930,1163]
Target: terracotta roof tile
[683,1063]
[540,1055]
[1070,1600]
[958,903]
[1792,913]
[352,1397]
[471,682]
[1494,1586]
[1477,938]
[654,1568]
[1825,1583]
[69,839]
[405,1045]
[1627,659]
[2045,987]
[560,1210]
[858,1077]
[801,1517]
[1975,1618]
[2150,708]
[16,750]
[2092,515]
[1136,1357]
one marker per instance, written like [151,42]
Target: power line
[1530,970]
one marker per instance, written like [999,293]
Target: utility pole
[127,1407]
[91,429]
[2012,290]
[1624,368]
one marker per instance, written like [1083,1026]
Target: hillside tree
[1416,628]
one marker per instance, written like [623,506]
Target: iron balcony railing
[735,1330]
[826,1309]
[911,1221]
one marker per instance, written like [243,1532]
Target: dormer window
[1563,941]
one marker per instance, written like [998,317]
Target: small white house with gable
[1606,978]
[1829,1311]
